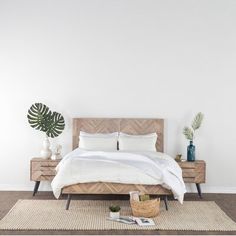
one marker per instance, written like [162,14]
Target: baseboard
[5,187]
[43,187]
[190,188]
[211,189]
[216,189]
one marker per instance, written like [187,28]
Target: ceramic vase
[56,156]
[46,151]
[191,152]
[57,153]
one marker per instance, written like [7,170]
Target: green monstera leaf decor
[41,118]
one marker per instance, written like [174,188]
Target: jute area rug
[91,215]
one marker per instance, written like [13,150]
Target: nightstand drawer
[52,168]
[39,175]
[48,172]
[189,180]
[188,173]
[43,165]
[187,165]
[49,164]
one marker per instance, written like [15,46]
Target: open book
[141,221]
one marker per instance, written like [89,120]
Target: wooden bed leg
[166,202]
[68,201]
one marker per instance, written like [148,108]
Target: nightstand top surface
[197,161]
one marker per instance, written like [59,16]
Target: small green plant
[41,118]
[189,132]
[114,208]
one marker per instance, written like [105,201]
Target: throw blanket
[148,168]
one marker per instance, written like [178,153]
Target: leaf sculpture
[196,124]
[197,121]
[188,133]
[41,118]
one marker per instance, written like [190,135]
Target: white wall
[123,58]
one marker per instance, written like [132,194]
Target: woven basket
[149,208]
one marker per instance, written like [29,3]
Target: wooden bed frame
[108,125]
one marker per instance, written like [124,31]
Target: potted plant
[50,122]
[189,133]
[114,211]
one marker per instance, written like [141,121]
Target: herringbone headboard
[126,125]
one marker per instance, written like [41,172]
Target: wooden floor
[7,199]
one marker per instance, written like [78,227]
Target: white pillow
[145,142]
[98,141]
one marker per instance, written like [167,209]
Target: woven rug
[91,215]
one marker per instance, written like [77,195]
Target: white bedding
[149,168]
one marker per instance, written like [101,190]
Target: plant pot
[46,151]
[114,215]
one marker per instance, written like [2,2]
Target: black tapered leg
[166,202]
[36,187]
[199,190]
[68,201]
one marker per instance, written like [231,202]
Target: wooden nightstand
[42,170]
[194,172]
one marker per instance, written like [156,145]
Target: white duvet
[149,168]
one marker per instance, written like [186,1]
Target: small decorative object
[57,153]
[114,211]
[178,157]
[189,133]
[51,123]
[134,195]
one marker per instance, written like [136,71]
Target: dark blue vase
[191,152]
